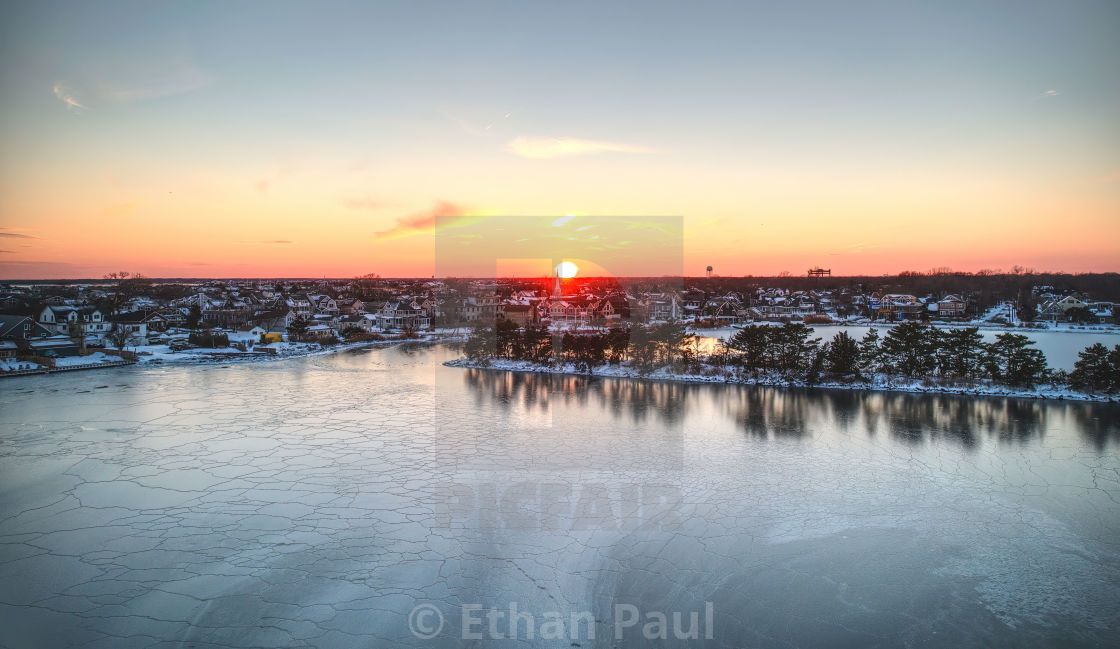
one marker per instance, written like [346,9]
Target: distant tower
[709,272]
[556,283]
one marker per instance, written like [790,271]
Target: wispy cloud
[8,234]
[557,147]
[66,96]
[278,241]
[17,269]
[1046,94]
[151,79]
[7,252]
[424,221]
[132,80]
[480,125]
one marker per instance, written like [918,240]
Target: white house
[74,321]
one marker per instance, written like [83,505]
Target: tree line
[909,350]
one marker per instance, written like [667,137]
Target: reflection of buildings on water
[774,413]
[634,401]
[903,417]
[1098,423]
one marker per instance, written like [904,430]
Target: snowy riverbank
[162,354]
[713,374]
[153,355]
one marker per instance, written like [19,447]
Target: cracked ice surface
[314,502]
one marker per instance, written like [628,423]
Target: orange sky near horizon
[213,228]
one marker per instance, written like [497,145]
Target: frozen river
[373,498]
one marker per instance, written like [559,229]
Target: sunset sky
[255,139]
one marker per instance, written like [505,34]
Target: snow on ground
[716,375]
[163,353]
[13,365]
[96,357]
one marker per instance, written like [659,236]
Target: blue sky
[733,115]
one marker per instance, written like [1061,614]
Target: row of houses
[331,308]
[1064,308]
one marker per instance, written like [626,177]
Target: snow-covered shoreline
[161,356]
[879,384]
[285,351]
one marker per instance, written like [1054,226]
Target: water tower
[709,272]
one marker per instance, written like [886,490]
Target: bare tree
[120,335]
[126,286]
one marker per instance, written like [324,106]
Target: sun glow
[566,270]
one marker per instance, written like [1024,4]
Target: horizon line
[901,274]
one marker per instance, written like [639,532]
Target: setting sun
[566,270]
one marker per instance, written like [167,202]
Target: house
[323,304]
[568,311]
[1103,312]
[951,306]
[133,321]
[318,332]
[272,319]
[156,321]
[663,308]
[227,313]
[896,306]
[403,315]
[255,332]
[519,314]
[245,338]
[482,307]
[1056,308]
[73,321]
[21,327]
[724,310]
[350,307]
[54,346]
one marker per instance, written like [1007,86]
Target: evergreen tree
[506,337]
[1114,373]
[588,351]
[536,344]
[643,348]
[870,352]
[908,349]
[1093,371]
[751,344]
[618,342]
[843,357]
[1012,359]
[960,352]
[817,364]
[790,350]
[480,344]
[297,329]
[670,339]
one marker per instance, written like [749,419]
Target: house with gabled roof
[21,327]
